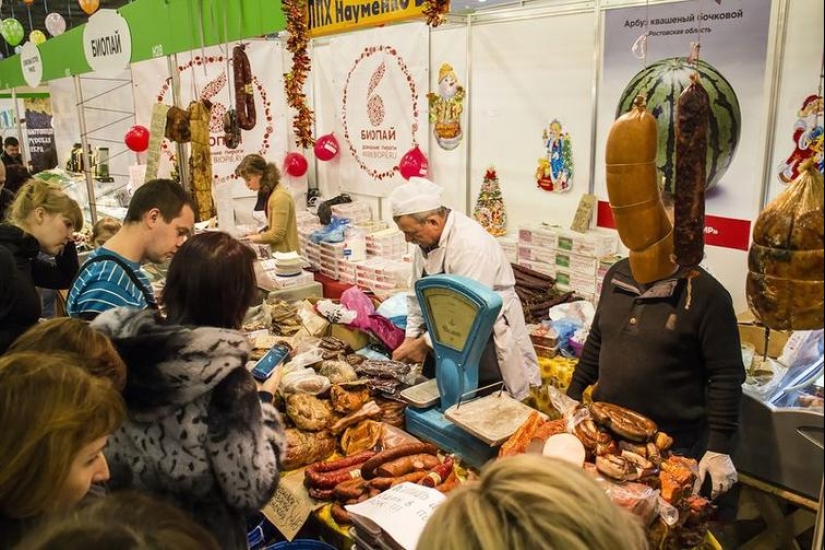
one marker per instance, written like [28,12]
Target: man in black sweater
[670,350]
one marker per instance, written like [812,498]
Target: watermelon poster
[733,38]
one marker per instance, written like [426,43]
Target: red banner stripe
[719,231]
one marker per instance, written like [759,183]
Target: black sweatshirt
[20,271]
[670,351]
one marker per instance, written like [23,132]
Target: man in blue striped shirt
[159,220]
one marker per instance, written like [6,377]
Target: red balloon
[137,139]
[413,163]
[295,164]
[326,147]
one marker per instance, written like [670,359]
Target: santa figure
[446,107]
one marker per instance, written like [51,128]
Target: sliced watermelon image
[661,83]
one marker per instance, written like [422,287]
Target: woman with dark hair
[273,199]
[197,432]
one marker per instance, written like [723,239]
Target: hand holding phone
[269,362]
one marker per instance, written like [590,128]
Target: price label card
[584,213]
[289,509]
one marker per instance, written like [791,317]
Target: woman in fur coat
[197,432]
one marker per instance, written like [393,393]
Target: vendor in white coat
[450,242]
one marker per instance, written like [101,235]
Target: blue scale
[460,314]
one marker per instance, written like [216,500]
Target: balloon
[413,163]
[137,139]
[55,24]
[18,49]
[89,6]
[37,37]
[12,31]
[326,147]
[295,164]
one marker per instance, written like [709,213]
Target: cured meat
[346,399]
[785,287]
[368,411]
[308,412]
[304,448]
[200,161]
[361,437]
[689,181]
[231,129]
[244,92]
[624,422]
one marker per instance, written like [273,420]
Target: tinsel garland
[436,11]
[296,26]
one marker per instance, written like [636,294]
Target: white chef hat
[417,195]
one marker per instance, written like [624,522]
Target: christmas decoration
[296,25]
[446,107]
[807,139]
[489,211]
[295,164]
[555,171]
[326,147]
[436,11]
[137,139]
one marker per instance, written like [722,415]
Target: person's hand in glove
[722,473]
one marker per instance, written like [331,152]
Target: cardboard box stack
[573,259]
[509,244]
[382,275]
[355,211]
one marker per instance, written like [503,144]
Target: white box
[593,243]
[537,253]
[538,234]
[574,263]
[583,284]
[541,267]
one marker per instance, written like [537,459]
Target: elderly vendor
[450,242]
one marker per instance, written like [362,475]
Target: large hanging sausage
[689,186]
[633,190]
[200,161]
[244,92]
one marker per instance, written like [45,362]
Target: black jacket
[670,351]
[20,272]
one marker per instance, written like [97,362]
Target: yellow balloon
[89,6]
[37,37]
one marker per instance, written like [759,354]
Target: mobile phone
[264,368]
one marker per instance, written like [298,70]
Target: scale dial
[453,316]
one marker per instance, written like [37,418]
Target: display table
[332,288]
[786,514]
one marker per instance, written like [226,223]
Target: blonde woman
[530,502]
[55,419]
[275,200]
[42,218]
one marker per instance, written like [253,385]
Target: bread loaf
[785,264]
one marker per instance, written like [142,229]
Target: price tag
[584,214]
[289,509]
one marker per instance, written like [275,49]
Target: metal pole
[468,177]
[597,48]
[84,144]
[23,148]
[778,61]
[819,527]
[183,156]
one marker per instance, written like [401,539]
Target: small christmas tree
[489,210]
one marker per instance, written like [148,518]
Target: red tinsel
[295,12]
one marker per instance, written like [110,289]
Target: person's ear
[151,217]
[39,215]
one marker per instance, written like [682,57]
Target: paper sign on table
[289,509]
[401,512]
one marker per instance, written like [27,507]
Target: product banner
[40,133]
[206,75]
[328,16]
[647,51]
[381,78]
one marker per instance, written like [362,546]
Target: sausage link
[368,467]
[244,93]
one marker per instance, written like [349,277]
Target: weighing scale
[460,314]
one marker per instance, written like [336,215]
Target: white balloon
[55,24]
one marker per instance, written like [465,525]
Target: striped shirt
[104,285]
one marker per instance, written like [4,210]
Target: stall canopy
[159,28]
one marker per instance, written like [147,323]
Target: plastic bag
[566,328]
[394,437]
[394,308]
[355,300]
[639,499]
[325,208]
[338,372]
[303,381]
[561,402]
[305,359]
[334,232]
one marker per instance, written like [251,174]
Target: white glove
[722,473]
